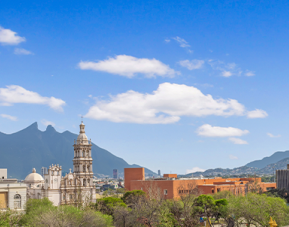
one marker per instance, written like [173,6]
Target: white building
[12,194]
[74,187]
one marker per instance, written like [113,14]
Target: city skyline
[179,87]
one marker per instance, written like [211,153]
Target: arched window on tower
[82,153]
[88,168]
[17,201]
[84,169]
[84,182]
[88,182]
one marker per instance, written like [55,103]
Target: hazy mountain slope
[30,147]
[277,156]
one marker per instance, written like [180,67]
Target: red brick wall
[131,174]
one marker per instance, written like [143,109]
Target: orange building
[172,187]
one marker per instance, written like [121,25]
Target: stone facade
[74,188]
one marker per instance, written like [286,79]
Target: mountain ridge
[31,148]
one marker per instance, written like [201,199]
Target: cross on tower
[81,119]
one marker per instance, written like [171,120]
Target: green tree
[133,196]
[107,205]
[256,210]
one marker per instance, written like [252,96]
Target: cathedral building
[75,187]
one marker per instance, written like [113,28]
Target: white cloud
[216,131]
[273,136]
[16,94]
[8,37]
[182,42]
[193,64]
[227,69]
[249,73]
[233,157]
[257,114]
[167,40]
[227,73]
[129,66]
[46,123]
[21,51]
[194,169]
[163,106]
[12,118]
[238,141]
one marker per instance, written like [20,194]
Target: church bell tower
[82,161]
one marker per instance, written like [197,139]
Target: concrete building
[12,193]
[171,187]
[73,187]
[115,174]
[282,178]
[43,171]
[3,173]
[159,173]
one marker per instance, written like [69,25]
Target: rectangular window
[218,189]
[213,191]
[165,191]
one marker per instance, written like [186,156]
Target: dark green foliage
[282,193]
[131,196]
[107,205]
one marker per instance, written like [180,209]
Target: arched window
[17,201]
[84,182]
[88,168]
[84,169]
[82,153]
[46,181]
[88,181]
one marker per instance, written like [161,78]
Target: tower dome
[82,138]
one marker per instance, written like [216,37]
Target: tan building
[74,187]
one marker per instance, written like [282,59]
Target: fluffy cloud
[12,118]
[273,136]
[21,51]
[215,131]
[194,169]
[257,114]
[46,123]
[238,141]
[129,66]
[16,94]
[233,157]
[8,37]
[165,105]
[193,64]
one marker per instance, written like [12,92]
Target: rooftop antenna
[81,119]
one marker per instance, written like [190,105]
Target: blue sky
[170,85]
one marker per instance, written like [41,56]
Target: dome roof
[34,177]
[82,138]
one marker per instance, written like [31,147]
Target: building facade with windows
[74,187]
[172,187]
[12,193]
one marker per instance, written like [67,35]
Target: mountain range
[265,166]
[32,148]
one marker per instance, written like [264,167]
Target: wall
[3,173]
[3,200]
[131,174]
